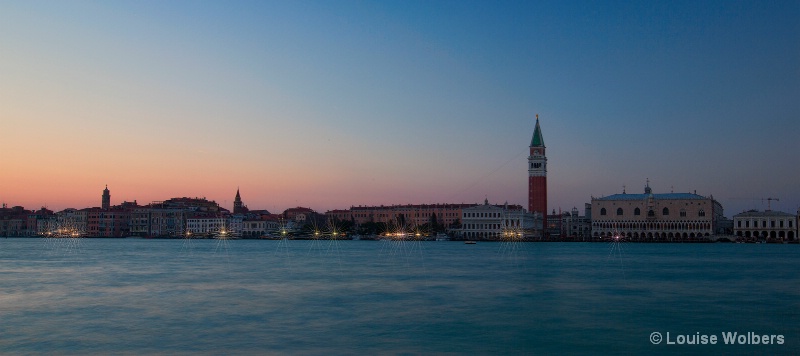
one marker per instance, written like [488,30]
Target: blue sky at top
[332,103]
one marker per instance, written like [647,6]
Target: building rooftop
[665,196]
[761,214]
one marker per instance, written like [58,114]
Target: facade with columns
[766,225]
[498,222]
[661,217]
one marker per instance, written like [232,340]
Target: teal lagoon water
[134,296]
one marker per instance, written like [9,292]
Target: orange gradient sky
[333,104]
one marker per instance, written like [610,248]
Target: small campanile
[537,175]
[106,202]
[237,203]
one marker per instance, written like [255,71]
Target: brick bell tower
[537,176]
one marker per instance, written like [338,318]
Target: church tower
[106,199]
[537,175]
[237,204]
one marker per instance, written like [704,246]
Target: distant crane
[769,203]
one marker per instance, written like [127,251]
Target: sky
[333,104]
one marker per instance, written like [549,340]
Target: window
[637,212]
[763,223]
[683,213]
[739,223]
[619,211]
[651,214]
[781,223]
[701,213]
[603,211]
[665,211]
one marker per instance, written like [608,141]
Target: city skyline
[329,105]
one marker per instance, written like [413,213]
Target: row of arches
[767,234]
[660,225]
[651,213]
[653,235]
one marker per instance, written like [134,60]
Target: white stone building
[762,225]
[493,222]
[255,228]
[212,226]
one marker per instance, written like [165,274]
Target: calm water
[132,296]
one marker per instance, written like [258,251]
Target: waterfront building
[38,221]
[498,222]
[111,222]
[47,225]
[72,221]
[156,220]
[235,224]
[299,215]
[210,225]
[194,204]
[448,215]
[340,214]
[254,228]
[537,175]
[554,225]
[577,227]
[263,226]
[205,225]
[652,216]
[762,225]
[13,221]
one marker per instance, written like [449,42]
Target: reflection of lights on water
[187,242]
[512,244]
[63,234]
[403,240]
[224,233]
[616,249]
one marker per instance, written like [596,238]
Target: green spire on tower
[537,140]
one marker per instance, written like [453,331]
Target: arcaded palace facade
[652,216]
